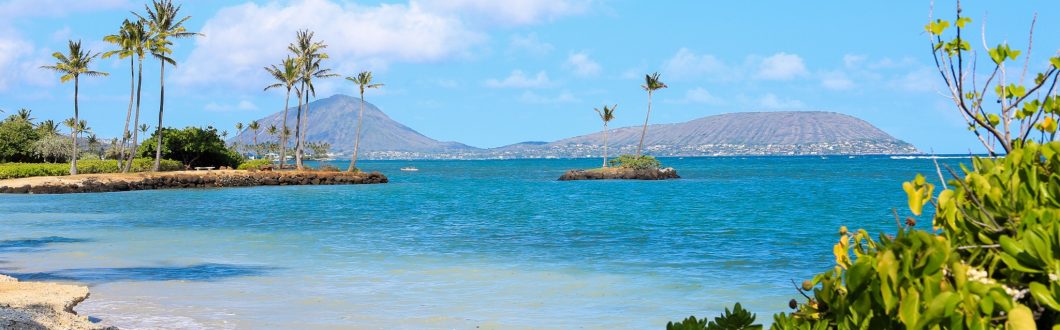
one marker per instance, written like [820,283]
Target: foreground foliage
[991,259]
[636,162]
[25,170]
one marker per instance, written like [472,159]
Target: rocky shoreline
[39,305]
[620,174]
[92,183]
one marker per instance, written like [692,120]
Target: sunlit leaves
[919,193]
[937,26]
[1002,52]
[962,21]
[1048,125]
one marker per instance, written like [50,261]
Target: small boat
[409,169]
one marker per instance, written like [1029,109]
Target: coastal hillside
[334,120]
[741,133]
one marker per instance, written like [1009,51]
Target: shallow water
[459,244]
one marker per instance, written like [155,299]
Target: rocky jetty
[37,305]
[620,174]
[90,183]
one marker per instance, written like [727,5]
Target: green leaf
[1055,61]
[1043,296]
[909,309]
[1020,318]
[937,26]
[962,21]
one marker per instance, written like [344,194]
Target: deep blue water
[459,244]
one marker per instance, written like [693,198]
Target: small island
[625,167]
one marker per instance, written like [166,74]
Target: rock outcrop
[42,306]
[620,174]
[186,179]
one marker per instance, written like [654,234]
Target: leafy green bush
[636,163]
[738,319]
[193,146]
[254,164]
[25,170]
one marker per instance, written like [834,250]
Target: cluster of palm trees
[296,73]
[151,33]
[652,83]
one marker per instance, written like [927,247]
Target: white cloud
[534,98]
[582,65]
[243,105]
[529,44]
[20,62]
[771,101]
[688,65]
[240,40]
[508,12]
[918,80]
[699,95]
[781,66]
[518,79]
[58,8]
[836,80]
[851,61]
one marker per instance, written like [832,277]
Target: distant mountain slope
[748,128]
[741,133]
[334,120]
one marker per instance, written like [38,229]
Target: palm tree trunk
[357,138]
[73,130]
[161,108]
[136,119]
[298,140]
[305,125]
[283,151]
[128,114]
[605,144]
[644,131]
[298,125]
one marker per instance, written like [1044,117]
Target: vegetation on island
[652,82]
[989,258]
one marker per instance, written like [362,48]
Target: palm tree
[254,126]
[48,128]
[25,114]
[310,54]
[134,41]
[72,66]
[363,81]
[76,128]
[651,84]
[287,76]
[164,25]
[126,40]
[272,130]
[606,115]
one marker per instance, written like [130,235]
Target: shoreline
[43,305]
[113,182]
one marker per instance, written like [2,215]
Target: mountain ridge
[334,119]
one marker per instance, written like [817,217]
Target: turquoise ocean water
[458,245]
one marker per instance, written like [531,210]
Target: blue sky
[490,73]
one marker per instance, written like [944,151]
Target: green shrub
[635,162]
[25,170]
[738,319]
[254,164]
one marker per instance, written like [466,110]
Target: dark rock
[620,174]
